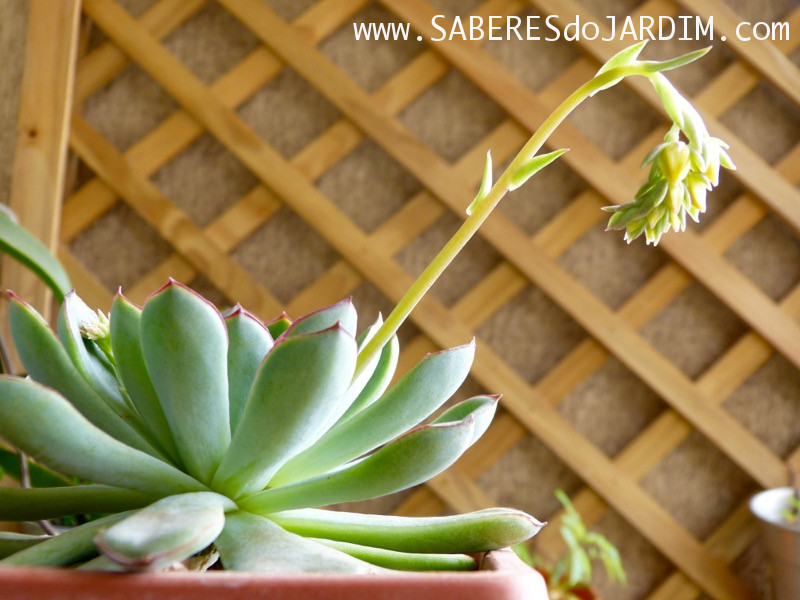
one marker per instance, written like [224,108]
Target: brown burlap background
[696,482]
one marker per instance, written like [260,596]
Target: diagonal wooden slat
[761,54]
[179,129]
[100,66]
[164,142]
[729,541]
[168,220]
[92,290]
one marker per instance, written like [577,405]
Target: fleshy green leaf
[478,531]
[486,184]
[67,548]
[297,394]
[417,395]
[725,160]
[44,425]
[87,357]
[409,460]
[359,383]
[32,504]
[127,347]
[403,561]
[278,325]
[379,380]
[165,532]
[342,312]
[253,543]
[185,348]
[20,244]
[248,343]
[101,563]
[531,167]
[481,408]
[652,155]
[47,362]
[11,543]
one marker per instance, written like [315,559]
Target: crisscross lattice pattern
[258,152]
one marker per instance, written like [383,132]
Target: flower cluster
[96,329]
[681,173]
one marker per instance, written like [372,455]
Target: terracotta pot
[502,577]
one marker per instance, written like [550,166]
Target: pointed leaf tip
[167,531]
[119,294]
[624,57]
[343,312]
[533,166]
[678,61]
[278,325]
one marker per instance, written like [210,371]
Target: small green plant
[584,547]
[192,433]
[571,577]
[791,514]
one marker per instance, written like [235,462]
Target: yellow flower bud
[675,162]
[698,186]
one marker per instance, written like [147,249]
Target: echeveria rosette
[683,169]
[261,424]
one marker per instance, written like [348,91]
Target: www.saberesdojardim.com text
[551,29]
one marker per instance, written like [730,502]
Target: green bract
[210,433]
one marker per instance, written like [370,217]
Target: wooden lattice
[693,404]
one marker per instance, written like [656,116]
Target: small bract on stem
[680,175]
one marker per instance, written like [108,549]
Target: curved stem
[25,482]
[484,208]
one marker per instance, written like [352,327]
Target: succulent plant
[199,428]
[172,433]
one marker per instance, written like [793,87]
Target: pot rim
[504,577]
